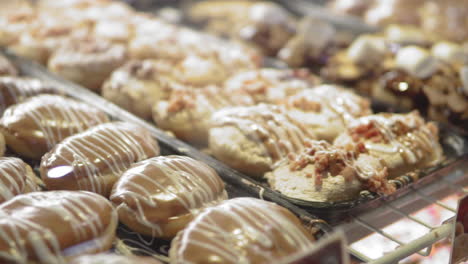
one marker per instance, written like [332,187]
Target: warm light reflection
[403,86]
[59,172]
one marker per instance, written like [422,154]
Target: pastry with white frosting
[107,258]
[16,177]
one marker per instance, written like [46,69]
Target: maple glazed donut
[14,90]
[16,177]
[158,197]
[35,126]
[94,159]
[254,139]
[48,227]
[240,230]
[112,259]
[6,68]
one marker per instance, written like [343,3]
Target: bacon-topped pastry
[160,196]
[326,109]
[254,139]
[112,259]
[325,173]
[94,159]
[33,127]
[240,230]
[16,177]
[405,142]
[48,227]
[6,68]
[14,90]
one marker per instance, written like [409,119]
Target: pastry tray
[237,185]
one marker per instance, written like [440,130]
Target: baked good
[33,127]
[15,90]
[15,21]
[351,7]
[112,259]
[326,173]
[88,61]
[384,12]
[240,230]
[16,177]
[48,227]
[326,109]
[138,85]
[6,68]
[94,159]
[255,139]
[2,145]
[267,85]
[405,142]
[187,112]
[158,197]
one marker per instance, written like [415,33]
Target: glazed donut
[240,230]
[325,173]
[112,259]
[138,85]
[88,62]
[33,127]
[158,197]
[16,177]
[187,112]
[326,109]
[15,90]
[405,142]
[255,139]
[94,159]
[48,227]
[6,68]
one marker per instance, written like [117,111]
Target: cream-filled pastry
[405,142]
[107,258]
[35,126]
[255,139]
[16,177]
[6,67]
[240,230]
[49,227]
[158,197]
[325,173]
[94,159]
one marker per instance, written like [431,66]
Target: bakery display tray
[237,185]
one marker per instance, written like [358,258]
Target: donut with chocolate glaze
[49,227]
[158,197]
[35,126]
[16,177]
[240,230]
[94,159]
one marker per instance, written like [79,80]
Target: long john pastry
[16,177]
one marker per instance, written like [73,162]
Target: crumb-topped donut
[326,109]
[33,127]
[16,177]
[405,142]
[158,197]
[112,259]
[254,139]
[88,61]
[325,173]
[240,230]
[94,159]
[14,90]
[6,68]
[48,227]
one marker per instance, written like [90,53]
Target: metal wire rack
[382,222]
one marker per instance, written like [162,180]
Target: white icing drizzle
[74,208]
[18,89]
[193,184]
[116,145]
[14,179]
[55,117]
[268,125]
[253,224]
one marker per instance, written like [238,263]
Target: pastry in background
[351,7]
[107,258]
[384,12]
[16,177]
[255,139]
[88,62]
[326,173]
[35,126]
[14,22]
[240,230]
[94,159]
[158,197]
[6,67]
[49,227]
